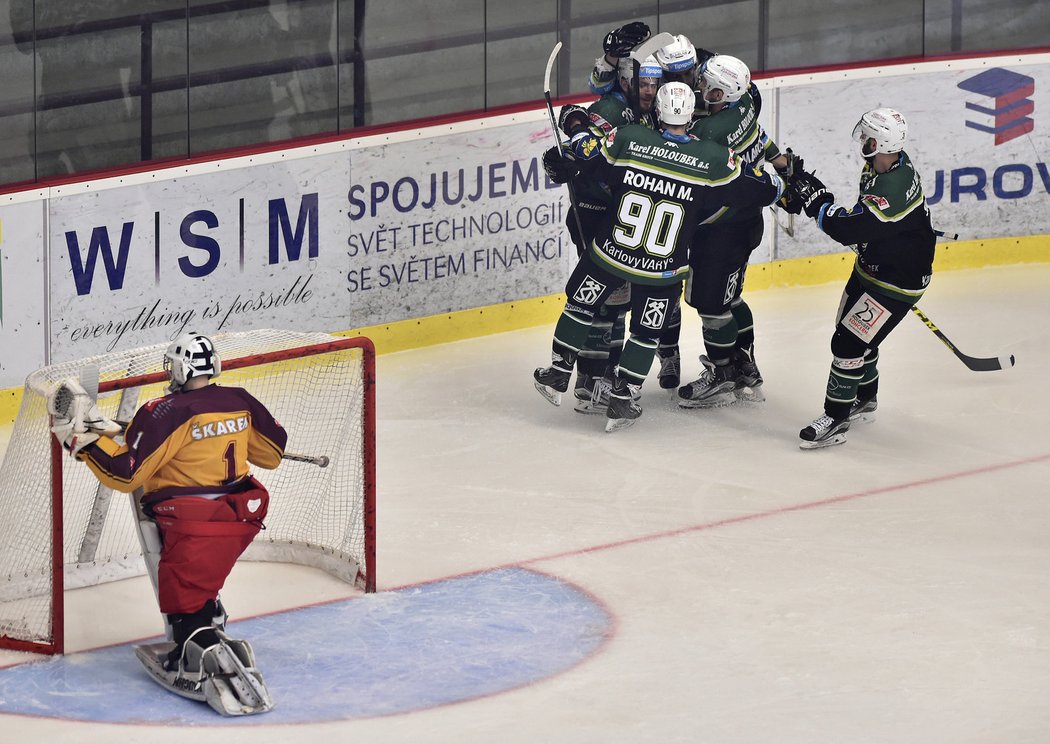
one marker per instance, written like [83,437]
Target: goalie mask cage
[61,529]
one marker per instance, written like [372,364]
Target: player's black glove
[811,191]
[794,164]
[559,169]
[621,41]
[573,118]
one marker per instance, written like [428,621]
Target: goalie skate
[223,675]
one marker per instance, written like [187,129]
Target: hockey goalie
[185,457]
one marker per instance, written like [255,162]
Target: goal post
[61,529]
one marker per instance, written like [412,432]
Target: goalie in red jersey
[186,457]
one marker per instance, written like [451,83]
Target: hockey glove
[70,401]
[621,41]
[560,167]
[65,429]
[793,165]
[811,191]
[790,202]
[572,119]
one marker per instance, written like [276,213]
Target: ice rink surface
[695,578]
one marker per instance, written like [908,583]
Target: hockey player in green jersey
[719,254]
[890,227]
[605,339]
[663,183]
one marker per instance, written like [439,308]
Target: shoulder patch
[589,147]
[611,138]
[879,201]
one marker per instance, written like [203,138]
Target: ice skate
[623,409]
[863,412]
[748,378]
[551,382]
[714,388]
[823,432]
[211,668]
[670,375]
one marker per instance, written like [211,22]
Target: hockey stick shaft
[976,364]
[320,461]
[557,140]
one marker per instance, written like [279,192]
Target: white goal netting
[322,517]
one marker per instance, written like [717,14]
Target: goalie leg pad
[223,674]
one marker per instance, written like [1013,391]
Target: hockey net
[60,529]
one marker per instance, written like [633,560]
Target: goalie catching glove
[621,41]
[77,422]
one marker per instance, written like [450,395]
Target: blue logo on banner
[1005,103]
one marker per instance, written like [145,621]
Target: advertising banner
[979,137]
[325,243]
[23,299]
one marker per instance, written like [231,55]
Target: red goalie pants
[202,539]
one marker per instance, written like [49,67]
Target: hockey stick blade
[320,461]
[651,46]
[550,66]
[975,364]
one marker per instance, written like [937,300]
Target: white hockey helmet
[675,103]
[727,74]
[884,125]
[191,355]
[649,68]
[677,57]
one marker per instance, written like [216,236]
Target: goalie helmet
[675,103]
[727,74]
[886,127]
[677,59]
[191,355]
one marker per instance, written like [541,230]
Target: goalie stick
[320,461]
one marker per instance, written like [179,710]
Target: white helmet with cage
[727,74]
[191,355]
[675,103]
[886,126]
[678,56]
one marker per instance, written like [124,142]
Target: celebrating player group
[666,172]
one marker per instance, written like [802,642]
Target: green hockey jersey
[663,185]
[736,126]
[890,225]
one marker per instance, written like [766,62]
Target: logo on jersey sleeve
[879,202]
[588,147]
[654,313]
[589,291]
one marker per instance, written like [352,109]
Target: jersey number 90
[655,227]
